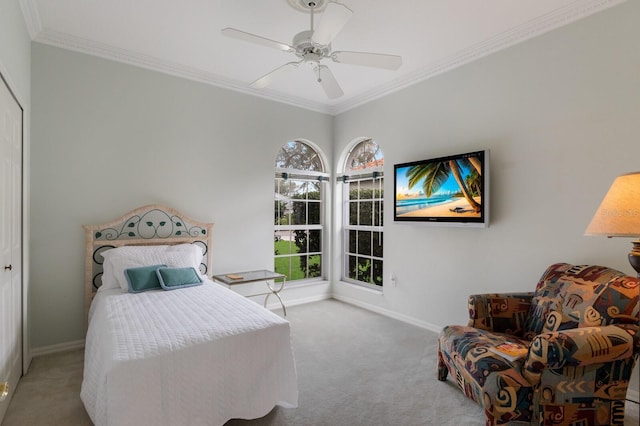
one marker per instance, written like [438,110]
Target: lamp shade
[619,212]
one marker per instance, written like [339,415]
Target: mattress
[194,356]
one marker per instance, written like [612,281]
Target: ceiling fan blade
[334,17]
[252,38]
[272,76]
[328,82]
[376,60]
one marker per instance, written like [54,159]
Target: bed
[198,354]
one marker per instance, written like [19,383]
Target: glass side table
[275,283]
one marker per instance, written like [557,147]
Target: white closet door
[10,243]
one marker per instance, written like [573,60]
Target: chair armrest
[579,347]
[500,312]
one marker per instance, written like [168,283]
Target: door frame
[26,347]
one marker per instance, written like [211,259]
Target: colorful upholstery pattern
[582,328]
[569,296]
[503,313]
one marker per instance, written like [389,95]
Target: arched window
[300,184]
[362,218]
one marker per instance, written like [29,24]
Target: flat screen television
[451,190]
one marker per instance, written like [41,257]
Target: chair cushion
[572,296]
[494,382]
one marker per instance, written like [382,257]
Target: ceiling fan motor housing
[306,49]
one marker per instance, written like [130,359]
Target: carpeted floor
[354,367]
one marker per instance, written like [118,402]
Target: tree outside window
[363,215]
[298,206]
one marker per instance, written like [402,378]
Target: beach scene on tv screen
[442,189]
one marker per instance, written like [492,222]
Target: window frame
[321,177]
[376,176]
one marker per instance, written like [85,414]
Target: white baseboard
[60,347]
[390,314]
[274,304]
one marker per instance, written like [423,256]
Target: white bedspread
[194,356]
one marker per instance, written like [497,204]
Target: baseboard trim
[388,313]
[294,302]
[60,347]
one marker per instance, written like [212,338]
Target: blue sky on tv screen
[402,183]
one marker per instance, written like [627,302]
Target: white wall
[109,137]
[561,116]
[15,50]
[15,67]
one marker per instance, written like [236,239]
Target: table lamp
[619,214]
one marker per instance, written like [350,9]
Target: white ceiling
[183,38]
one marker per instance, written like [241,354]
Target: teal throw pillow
[143,278]
[173,278]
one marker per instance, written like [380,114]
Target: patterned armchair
[581,325]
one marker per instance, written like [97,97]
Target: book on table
[234,276]
[510,350]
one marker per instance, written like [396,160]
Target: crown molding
[532,28]
[31,17]
[93,48]
[542,24]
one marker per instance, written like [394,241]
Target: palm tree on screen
[436,174]
[473,182]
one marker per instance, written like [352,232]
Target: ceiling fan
[314,45]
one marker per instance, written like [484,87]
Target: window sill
[306,283]
[379,292]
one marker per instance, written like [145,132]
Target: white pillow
[118,259]
[108,280]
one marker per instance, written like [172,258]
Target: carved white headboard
[148,225]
